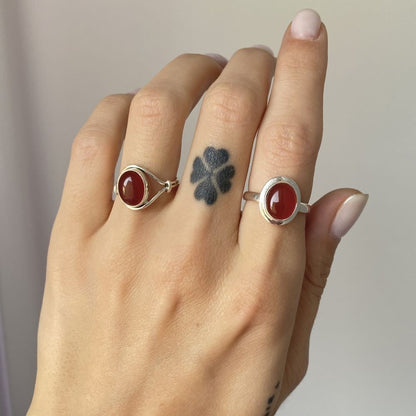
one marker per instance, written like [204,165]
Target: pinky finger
[86,200]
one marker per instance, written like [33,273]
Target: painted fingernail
[134,92]
[265,48]
[306,25]
[221,60]
[348,213]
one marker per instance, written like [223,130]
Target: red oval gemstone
[131,188]
[281,201]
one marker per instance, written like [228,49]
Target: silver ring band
[254,196]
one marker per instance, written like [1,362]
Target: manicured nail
[221,60]
[306,25]
[348,213]
[265,48]
[134,92]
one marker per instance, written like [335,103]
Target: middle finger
[216,168]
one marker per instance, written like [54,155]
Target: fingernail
[265,48]
[221,60]
[134,92]
[306,25]
[348,213]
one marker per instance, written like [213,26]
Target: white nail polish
[265,48]
[347,214]
[306,25]
[221,60]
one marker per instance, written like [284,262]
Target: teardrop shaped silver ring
[133,187]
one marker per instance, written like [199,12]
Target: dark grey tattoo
[270,400]
[212,175]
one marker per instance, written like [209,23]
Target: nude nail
[221,60]
[306,25]
[348,213]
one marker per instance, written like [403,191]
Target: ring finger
[290,134]
[287,145]
[155,124]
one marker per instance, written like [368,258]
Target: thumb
[329,220]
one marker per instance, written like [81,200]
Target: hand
[190,306]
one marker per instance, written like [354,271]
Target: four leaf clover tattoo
[212,175]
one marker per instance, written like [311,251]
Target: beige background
[58,58]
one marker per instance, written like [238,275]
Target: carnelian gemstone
[131,188]
[281,201]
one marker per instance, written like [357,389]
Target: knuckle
[316,277]
[96,134]
[89,142]
[156,105]
[232,102]
[291,144]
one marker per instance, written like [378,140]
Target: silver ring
[279,200]
[133,187]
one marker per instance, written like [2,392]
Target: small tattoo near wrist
[212,174]
[270,400]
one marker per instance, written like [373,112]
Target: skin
[189,307]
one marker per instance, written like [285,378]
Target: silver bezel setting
[300,207]
[145,202]
[139,171]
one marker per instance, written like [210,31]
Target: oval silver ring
[279,200]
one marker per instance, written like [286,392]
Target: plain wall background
[57,59]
